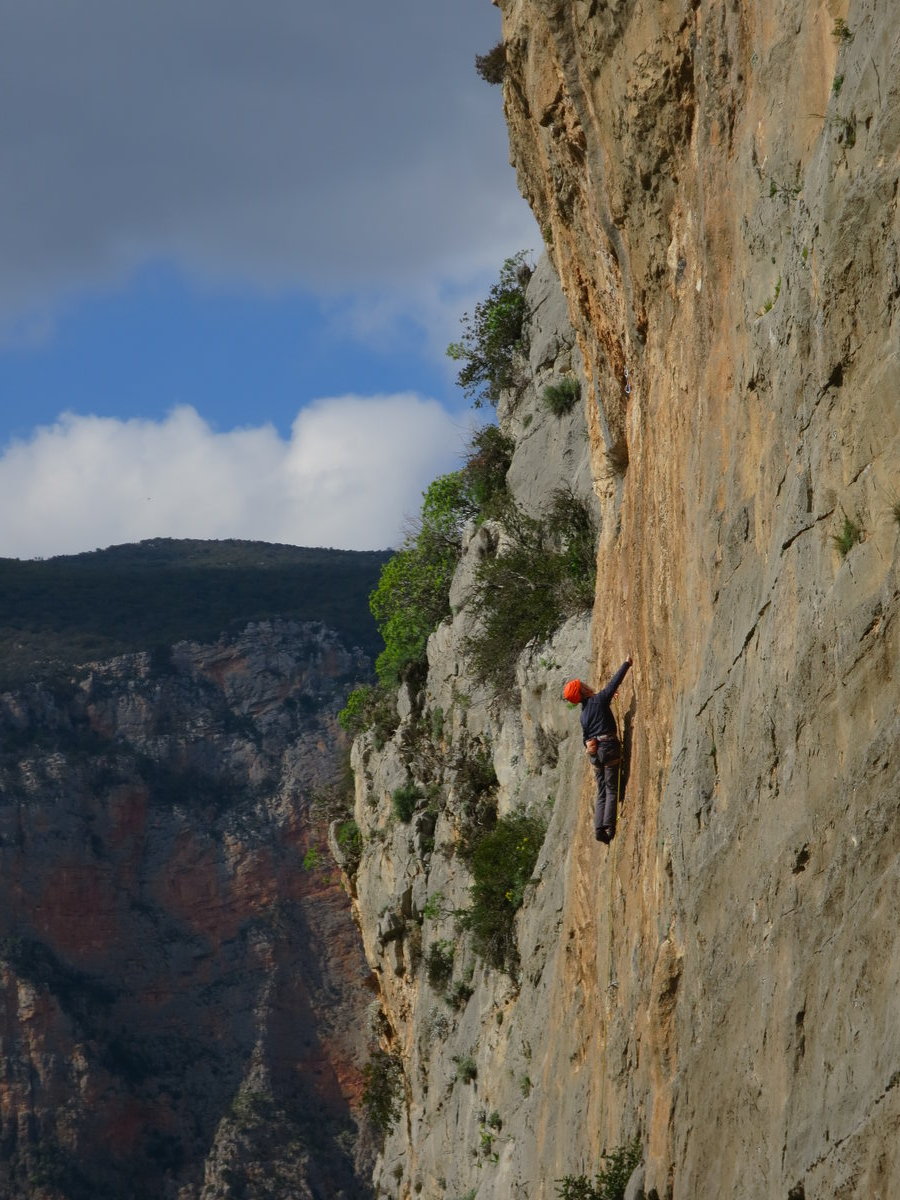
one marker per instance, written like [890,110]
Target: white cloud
[351,471]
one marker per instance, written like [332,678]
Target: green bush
[501,862]
[493,335]
[458,995]
[544,574]
[560,397]
[409,604]
[851,532]
[487,462]
[466,1068]
[571,526]
[491,67]
[475,782]
[447,504]
[372,708]
[349,837]
[610,1183]
[439,964]
[841,31]
[250,1108]
[435,907]
[383,1090]
[404,800]
[412,597]
[436,723]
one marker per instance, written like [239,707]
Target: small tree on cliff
[491,67]
[383,1090]
[412,597]
[413,593]
[493,334]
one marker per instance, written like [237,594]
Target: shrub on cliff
[372,708]
[383,1090]
[491,67]
[487,463]
[544,573]
[560,397]
[612,1180]
[571,525]
[349,837]
[404,801]
[475,783]
[850,534]
[501,862]
[412,597]
[439,964]
[493,335]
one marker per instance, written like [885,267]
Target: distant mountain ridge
[77,608]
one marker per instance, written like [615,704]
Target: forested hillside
[82,607]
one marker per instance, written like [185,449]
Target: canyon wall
[184,997]
[716,184]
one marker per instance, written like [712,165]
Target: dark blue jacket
[597,718]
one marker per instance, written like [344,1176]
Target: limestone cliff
[183,992]
[717,186]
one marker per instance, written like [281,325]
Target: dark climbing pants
[607,764]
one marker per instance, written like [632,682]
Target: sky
[235,240]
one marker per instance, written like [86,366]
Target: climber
[601,741]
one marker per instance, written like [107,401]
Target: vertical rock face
[717,185]
[183,1001]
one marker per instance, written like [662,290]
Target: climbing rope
[619,725]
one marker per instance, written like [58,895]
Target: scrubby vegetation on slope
[542,570]
[413,592]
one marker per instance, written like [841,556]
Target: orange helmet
[573,691]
